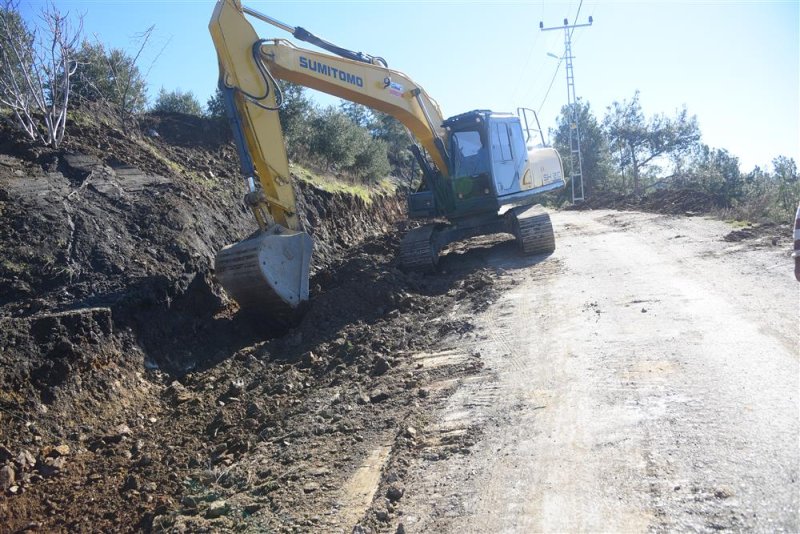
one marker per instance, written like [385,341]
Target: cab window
[501,142]
[517,140]
[469,154]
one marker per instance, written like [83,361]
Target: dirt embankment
[132,396]
[131,224]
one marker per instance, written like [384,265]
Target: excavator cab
[489,159]
[491,166]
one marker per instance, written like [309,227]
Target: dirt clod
[217,509]
[378,396]
[7,477]
[395,492]
[739,235]
[380,366]
[311,487]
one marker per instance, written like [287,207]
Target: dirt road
[644,377]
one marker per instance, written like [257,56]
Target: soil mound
[666,201]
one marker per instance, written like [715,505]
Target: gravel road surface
[642,378]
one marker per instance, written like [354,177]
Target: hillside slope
[133,396]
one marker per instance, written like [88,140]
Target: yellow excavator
[479,171]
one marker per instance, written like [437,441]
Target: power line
[522,72]
[576,19]
[555,74]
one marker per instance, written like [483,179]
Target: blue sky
[735,64]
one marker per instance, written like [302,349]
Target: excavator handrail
[522,113]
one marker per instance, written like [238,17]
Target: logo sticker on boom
[333,72]
[396,89]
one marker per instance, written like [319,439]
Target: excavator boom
[374,86]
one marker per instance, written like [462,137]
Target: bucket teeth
[267,273]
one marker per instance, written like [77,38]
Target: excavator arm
[255,124]
[270,269]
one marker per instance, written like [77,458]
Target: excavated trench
[134,397]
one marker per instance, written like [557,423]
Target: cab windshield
[470,155]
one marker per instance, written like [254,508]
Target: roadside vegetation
[627,153]
[50,72]
[349,141]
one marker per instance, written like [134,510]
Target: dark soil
[133,396]
[762,234]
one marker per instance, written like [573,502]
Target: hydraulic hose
[268,80]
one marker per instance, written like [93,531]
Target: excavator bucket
[267,273]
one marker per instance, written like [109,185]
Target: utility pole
[575,159]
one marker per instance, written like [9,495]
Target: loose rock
[378,396]
[51,466]
[178,393]
[217,509]
[131,483]
[25,460]
[380,367]
[252,508]
[7,477]
[55,452]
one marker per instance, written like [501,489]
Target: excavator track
[533,231]
[417,253]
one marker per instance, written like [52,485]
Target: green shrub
[177,101]
[109,76]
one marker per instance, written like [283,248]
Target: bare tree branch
[36,70]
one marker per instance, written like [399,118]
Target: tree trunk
[635,166]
